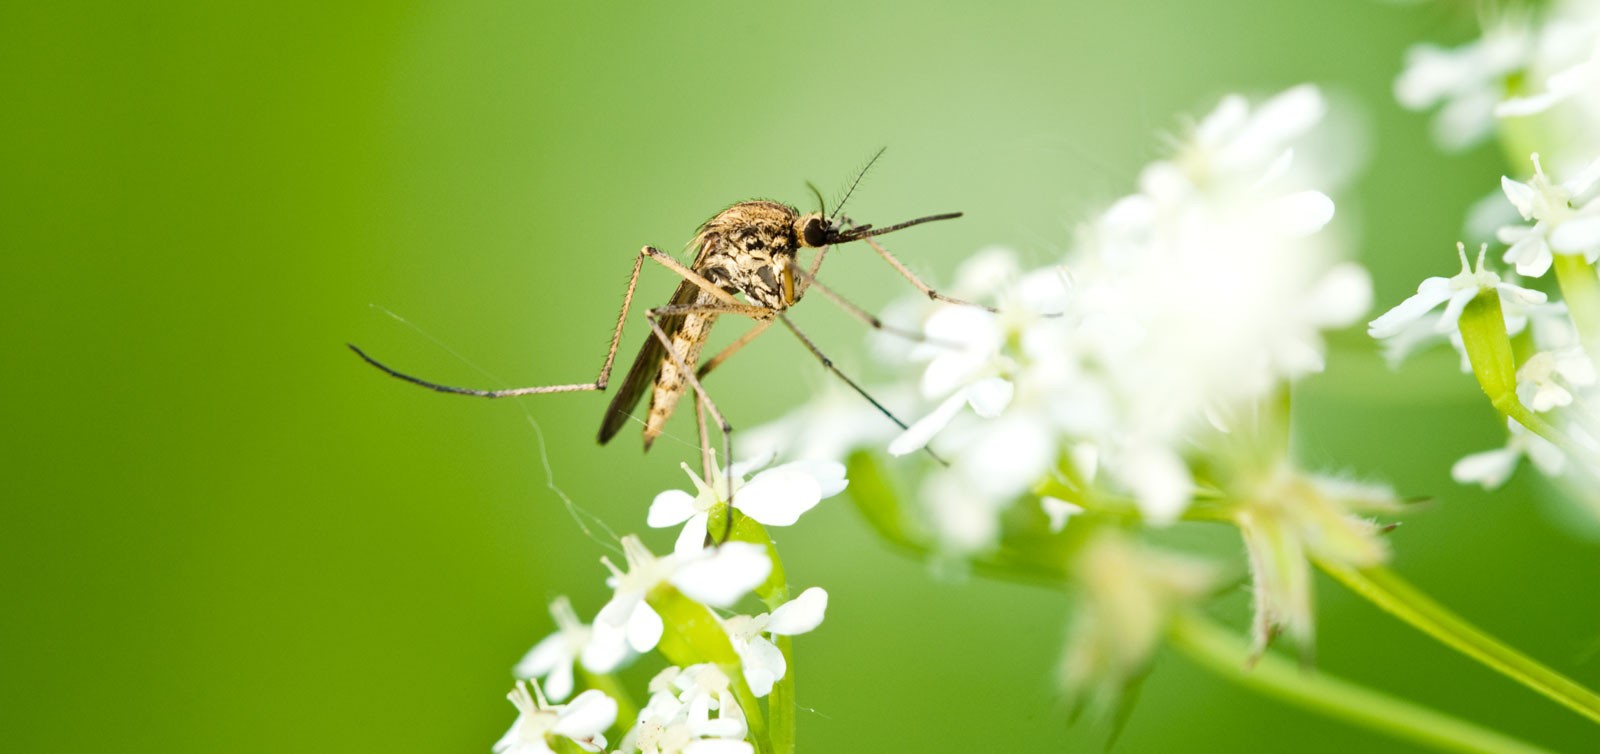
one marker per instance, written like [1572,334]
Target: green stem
[781,702]
[1218,650]
[1391,593]
[774,592]
[1558,437]
[1580,288]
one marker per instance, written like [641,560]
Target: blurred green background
[224,533]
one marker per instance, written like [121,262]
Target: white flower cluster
[1544,63]
[1177,308]
[679,716]
[1534,79]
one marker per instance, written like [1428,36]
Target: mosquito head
[814,230]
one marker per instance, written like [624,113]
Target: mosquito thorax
[749,247]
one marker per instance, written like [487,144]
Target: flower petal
[1577,236]
[1490,468]
[922,430]
[644,628]
[587,716]
[801,614]
[670,508]
[764,665]
[1522,195]
[777,497]
[606,649]
[1058,511]
[548,653]
[728,573]
[693,537]
[558,684]
[718,746]
[1431,293]
[988,397]
[829,475]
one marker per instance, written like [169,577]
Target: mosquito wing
[642,375]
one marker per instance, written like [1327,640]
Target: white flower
[775,497]
[1491,468]
[678,720]
[828,427]
[717,577]
[1573,81]
[1545,378]
[551,659]
[1454,292]
[1565,222]
[584,721]
[762,662]
[1058,511]
[1469,80]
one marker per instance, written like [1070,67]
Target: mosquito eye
[814,234]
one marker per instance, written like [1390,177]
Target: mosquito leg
[921,286]
[828,364]
[733,348]
[707,465]
[863,315]
[599,383]
[654,316]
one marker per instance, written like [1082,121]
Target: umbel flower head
[1178,307]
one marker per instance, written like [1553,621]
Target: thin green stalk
[1391,593]
[1218,650]
[759,733]
[1539,426]
[774,592]
[1580,288]
[781,702]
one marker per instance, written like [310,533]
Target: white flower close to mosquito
[678,718]
[762,662]
[716,577]
[583,721]
[1566,219]
[1176,307]
[774,497]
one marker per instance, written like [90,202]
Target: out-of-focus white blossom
[1546,379]
[1468,81]
[1540,65]
[1491,468]
[1178,306]
[1287,518]
[583,722]
[552,658]
[1129,594]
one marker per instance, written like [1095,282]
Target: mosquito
[750,248]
